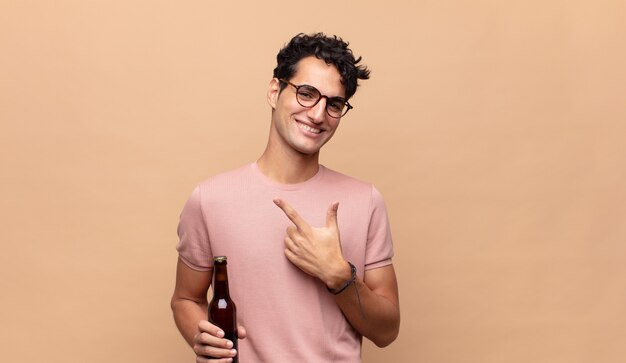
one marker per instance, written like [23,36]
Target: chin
[307,148]
[308,152]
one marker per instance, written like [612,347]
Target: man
[309,249]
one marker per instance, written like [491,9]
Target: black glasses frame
[297,87]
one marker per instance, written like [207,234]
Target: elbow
[174,302]
[177,304]
[385,340]
[180,304]
[388,336]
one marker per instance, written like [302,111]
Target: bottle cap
[219,259]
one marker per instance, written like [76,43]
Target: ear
[273,92]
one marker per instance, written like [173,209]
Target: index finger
[204,326]
[292,214]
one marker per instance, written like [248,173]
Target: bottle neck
[220,280]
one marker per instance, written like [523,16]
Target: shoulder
[351,184]
[337,177]
[224,179]
[364,193]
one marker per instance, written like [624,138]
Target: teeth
[309,128]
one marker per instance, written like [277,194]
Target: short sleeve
[379,250]
[193,247]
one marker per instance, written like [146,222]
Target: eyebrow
[320,92]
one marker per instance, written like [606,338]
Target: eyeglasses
[308,96]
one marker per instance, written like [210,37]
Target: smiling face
[300,129]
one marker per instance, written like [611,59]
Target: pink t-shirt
[289,316]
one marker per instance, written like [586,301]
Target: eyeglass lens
[309,96]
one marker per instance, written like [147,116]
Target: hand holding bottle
[210,342]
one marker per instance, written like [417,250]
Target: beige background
[495,131]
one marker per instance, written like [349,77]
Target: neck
[288,166]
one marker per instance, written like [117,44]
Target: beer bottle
[222,310]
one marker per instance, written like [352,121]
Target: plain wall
[494,129]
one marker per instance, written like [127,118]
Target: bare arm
[375,312]
[317,251]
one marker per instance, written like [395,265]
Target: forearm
[187,315]
[371,304]
[373,316]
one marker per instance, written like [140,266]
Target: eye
[336,105]
[308,92]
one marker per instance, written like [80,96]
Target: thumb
[331,215]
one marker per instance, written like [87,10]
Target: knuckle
[203,338]
[202,351]
[197,339]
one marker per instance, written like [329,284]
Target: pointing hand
[316,251]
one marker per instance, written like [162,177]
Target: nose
[317,113]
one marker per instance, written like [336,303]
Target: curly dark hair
[333,50]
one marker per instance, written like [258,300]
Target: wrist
[342,283]
[337,274]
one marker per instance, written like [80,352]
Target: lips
[309,128]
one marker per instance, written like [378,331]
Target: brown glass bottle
[222,309]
